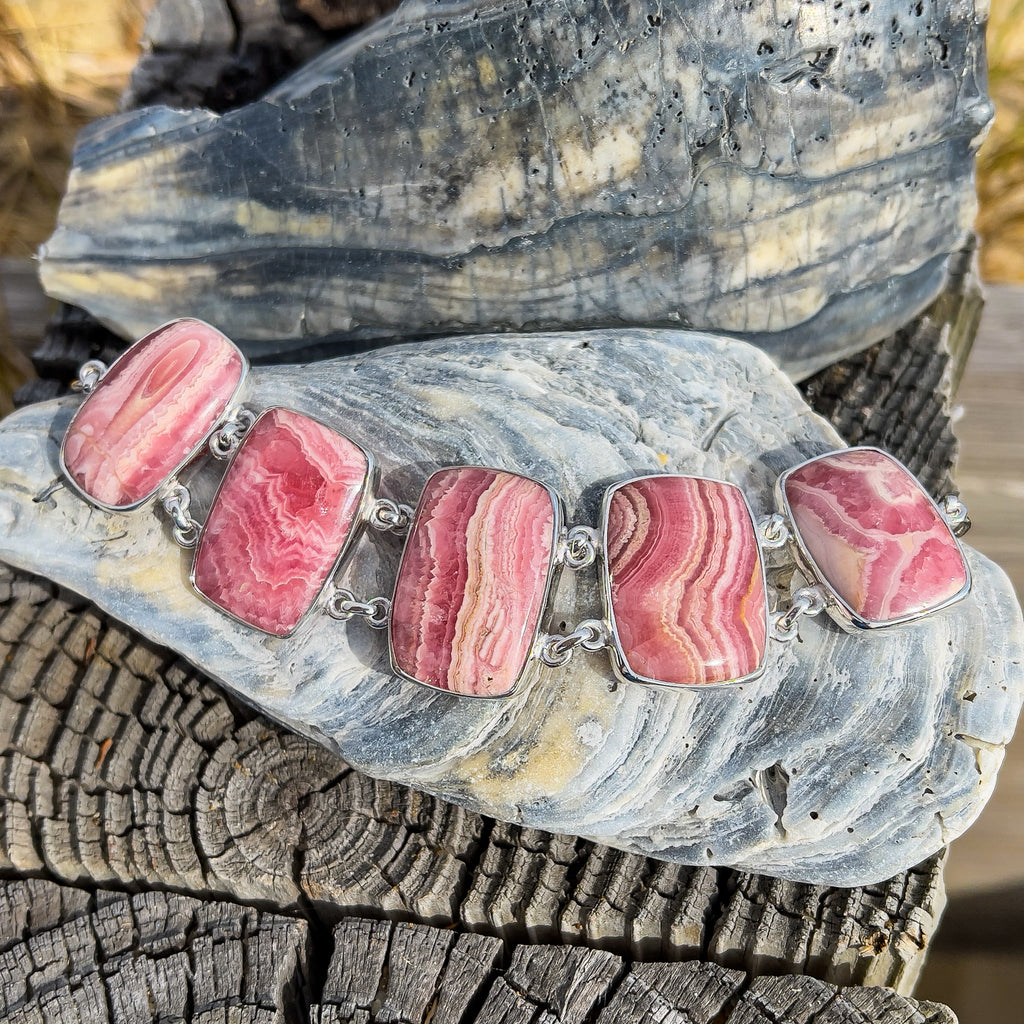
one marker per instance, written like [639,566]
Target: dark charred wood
[70,954]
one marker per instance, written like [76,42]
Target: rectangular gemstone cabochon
[151,411]
[280,519]
[471,587]
[686,580]
[876,537]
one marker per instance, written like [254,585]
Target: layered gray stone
[793,174]
[849,759]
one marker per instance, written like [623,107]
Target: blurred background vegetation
[63,63]
[1001,160]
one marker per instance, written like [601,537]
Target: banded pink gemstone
[686,580]
[151,412]
[874,534]
[471,587]
[280,520]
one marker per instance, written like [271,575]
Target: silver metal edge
[355,531]
[838,610]
[554,565]
[620,663]
[232,401]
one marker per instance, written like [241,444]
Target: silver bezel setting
[554,565]
[356,530]
[620,663]
[200,444]
[837,608]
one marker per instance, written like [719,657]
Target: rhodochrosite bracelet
[680,558]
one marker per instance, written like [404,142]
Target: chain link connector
[390,517]
[580,547]
[590,635]
[176,500]
[954,511]
[342,605]
[229,435]
[90,373]
[773,531]
[806,601]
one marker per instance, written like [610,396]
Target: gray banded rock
[794,174]
[850,759]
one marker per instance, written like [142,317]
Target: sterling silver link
[806,601]
[390,517]
[90,373]
[954,511]
[580,548]
[773,531]
[342,605]
[590,634]
[176,500]
[229,436]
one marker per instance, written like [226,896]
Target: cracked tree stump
[108,956]
[168,854]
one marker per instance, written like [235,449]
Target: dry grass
[62,64]
[1001,160]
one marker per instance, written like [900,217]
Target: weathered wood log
[898,394]
[70,955]
[123,767]
[221,54]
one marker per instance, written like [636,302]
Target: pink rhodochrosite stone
[151,412]
[875,536]
[471,587]
[686,580]
[280,519]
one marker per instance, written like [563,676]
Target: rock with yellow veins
[851,757]
[795,174]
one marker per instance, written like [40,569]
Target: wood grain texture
[898,394]
[122,767]
[67,954]
[102,956]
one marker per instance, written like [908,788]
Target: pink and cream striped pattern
[875,536]
[473,579]
[151,412]
[685,580]
[282,515]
